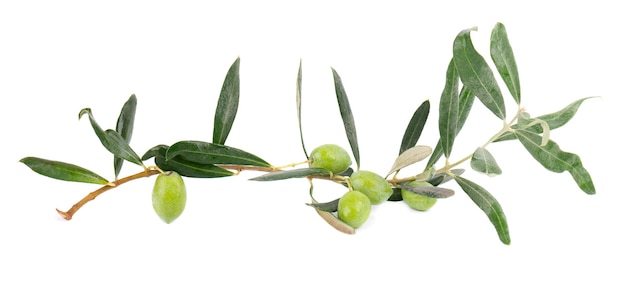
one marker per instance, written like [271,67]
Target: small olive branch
[468,77]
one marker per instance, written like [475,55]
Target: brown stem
[68,214]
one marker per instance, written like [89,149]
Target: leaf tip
[83,111]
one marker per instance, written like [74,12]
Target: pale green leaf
[502,56]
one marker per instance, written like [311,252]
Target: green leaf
[182,166]
[158,150]
[112,140]
[209,153]
[63,171]
[327,207]
[396,195]
[429,191]
[502,56]
[299,107]
[476,74]
[293,173]
[410,156]
[466,100]
[441,178]
[449,110]
[227,105]
[554,120]
[348,119]
[489,205]
[125,124]
[555,160]
[191,169]
[483,161]
[416,125]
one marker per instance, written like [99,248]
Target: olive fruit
[417,201]
[169,196]
[374,186]
[331,157]
[354,208]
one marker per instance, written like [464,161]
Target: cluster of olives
[366,188]
[169,196]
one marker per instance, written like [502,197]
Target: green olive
[374,186]
[169,196]
[354,208]
[417,201]
[331,157]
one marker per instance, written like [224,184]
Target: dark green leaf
[436,155]
[466,100]
[476,74]
[63,171]
[227,105]
[449,110]
[346,115]
[502,56]
[396,196]
[182,166]
[553,159]
[429,191]
[293,173]
[299,107]
[112,140]
[209,153]
[489,205]
[483,161]
[158,150]
[327,207]
[416,125]
[191,169]
[125,124]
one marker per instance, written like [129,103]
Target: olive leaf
[449,110]
[555,160]
[554,120]
[502,56]
[346,115]
[209,153]
[476,74]
[466,100]
[125,124]
[299,107]
[330,218]
[410,156]
[429,191]
[227,105]
[293,173]
[327,207]
[416,125]
[63,171]
[112,140]
[440,178]
[489,205]
[483,161]
[182,166]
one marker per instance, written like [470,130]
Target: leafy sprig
[468,76]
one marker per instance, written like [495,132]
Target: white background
[57,57]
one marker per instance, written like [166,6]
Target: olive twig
[149,171]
